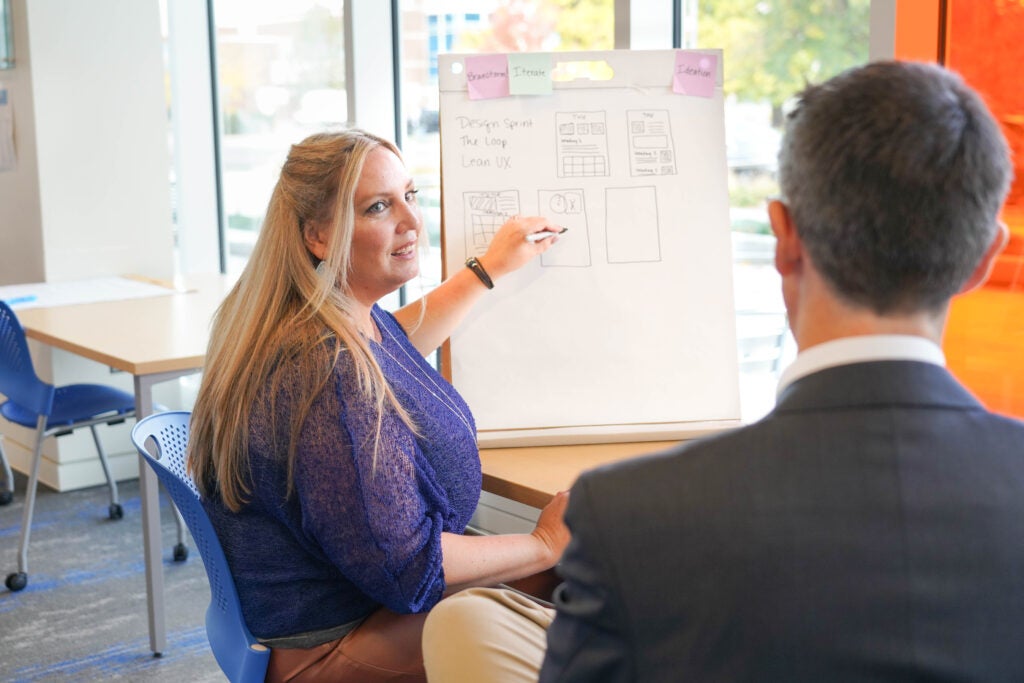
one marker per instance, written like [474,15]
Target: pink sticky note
[487,76]
[695,73]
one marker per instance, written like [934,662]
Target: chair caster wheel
[180,552]
[116,511]
[16,581]
[6,497]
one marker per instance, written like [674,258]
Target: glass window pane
[280,77]
[770,49]
[432,28]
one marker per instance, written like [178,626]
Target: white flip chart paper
[625,328]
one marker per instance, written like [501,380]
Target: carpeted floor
[83,615]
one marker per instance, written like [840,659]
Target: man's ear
[788,247]
[988,259]
[315,239]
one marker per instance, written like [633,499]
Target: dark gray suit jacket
[870,528]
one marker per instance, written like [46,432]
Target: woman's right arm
[431,320]
[490,560]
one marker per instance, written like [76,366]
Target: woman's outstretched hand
[510,250]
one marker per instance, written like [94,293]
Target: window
[770,49]
[431,28]
[281,75]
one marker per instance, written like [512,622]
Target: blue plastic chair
[51,411]
[240,656]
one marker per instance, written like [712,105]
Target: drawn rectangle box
[631,227]
[584,166]
[660,142]
[650,143]
[567,208]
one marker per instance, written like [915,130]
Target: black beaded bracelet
[473,264]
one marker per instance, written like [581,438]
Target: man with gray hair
[871,527]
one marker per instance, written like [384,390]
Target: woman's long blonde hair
[283,310]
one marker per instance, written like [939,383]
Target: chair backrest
[18,380]
[238,653]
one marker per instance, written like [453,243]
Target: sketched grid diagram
[485,212]
[582,144]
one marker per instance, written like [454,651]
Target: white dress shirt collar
[861,350]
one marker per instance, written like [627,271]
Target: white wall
[101,137]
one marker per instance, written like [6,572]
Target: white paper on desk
[92,290]
[7,157]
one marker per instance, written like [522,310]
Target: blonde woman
[339,469]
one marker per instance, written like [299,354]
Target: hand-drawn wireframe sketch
[567,209]
[582,149]
[485,213]
[651,151]
[631,225]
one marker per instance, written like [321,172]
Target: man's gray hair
[894,174]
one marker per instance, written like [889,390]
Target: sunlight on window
[281,76]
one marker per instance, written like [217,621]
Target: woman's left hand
[509,249]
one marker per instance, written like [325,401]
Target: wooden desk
[156,339]
[532,475]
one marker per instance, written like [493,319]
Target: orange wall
[917,30]
[984,42]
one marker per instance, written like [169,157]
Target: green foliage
[772,48]
[752,190]
[585,24]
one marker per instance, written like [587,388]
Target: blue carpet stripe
[82,616]
[42,519]
[41,581]
[122,660]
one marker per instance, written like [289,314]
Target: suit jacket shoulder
[843,514]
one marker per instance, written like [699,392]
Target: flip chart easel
[625,329]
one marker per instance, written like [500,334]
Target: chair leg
[115,510]
[19,579]
[7,494]
[181,549]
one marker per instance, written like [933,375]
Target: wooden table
[531,475]
[156,339]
